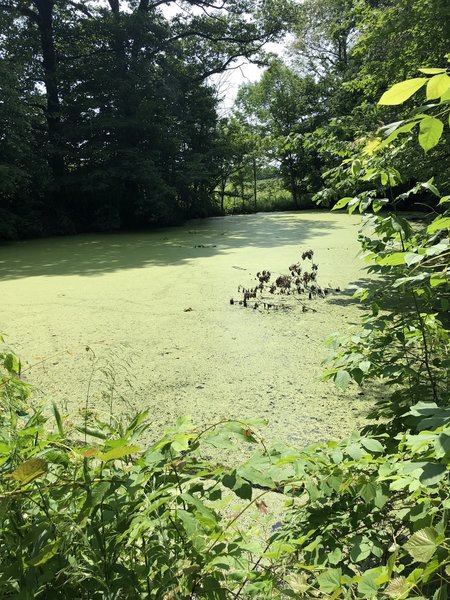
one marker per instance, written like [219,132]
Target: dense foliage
[107,114]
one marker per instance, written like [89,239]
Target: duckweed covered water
[146,318]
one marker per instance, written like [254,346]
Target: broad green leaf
[29,470]
[117,453]
[442,445]
[372,146]
[438,279]
[298,583]
[422,544]
[439,224]
[96,494]
[372,445]
[430,132]
[219,439]
[392,260]
[355,451]
[400,92]
[335,556]
[255,477]
[442,593]
[356,168]
[368,585]
[432,71]
[342,379]
[47,552]
[437,86]
[438,248]
[240,487]
[432,473]
[360,551]
[412,258]
[341,203]
[330,580]
[193,529]
[365,365]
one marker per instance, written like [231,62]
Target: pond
[146,320]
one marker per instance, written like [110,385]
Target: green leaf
[368,585]
[47,552]
[29,470]
[432,71]
[342,379]
[429,185]
[341,203]
[58,419]
[365,365]
[330,580]
[439,224]
[422,544]
[442,445]
[335,556]
[356,168]
[412,258]
[442,593]
[437,279]
[430,132]
[400,92]
[372,445]
[392,260]
[117,453]
[355,451]
[240,487]
[437,86]
[432,473]
[360,550]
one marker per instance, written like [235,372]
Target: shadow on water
[104,253]
[346,297]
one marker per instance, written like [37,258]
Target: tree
[284,106]
[129,113]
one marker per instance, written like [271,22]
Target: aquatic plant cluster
[301,281]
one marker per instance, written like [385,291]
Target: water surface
[154,308]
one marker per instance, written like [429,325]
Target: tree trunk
[254,185]
[49,62]
[294,190]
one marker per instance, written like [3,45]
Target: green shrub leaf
[422,544]
[437,86]
[342,379]
[400,92]
[430,132]
[372,445]
[330,580]
[439,224]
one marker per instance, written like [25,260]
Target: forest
[112,120]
